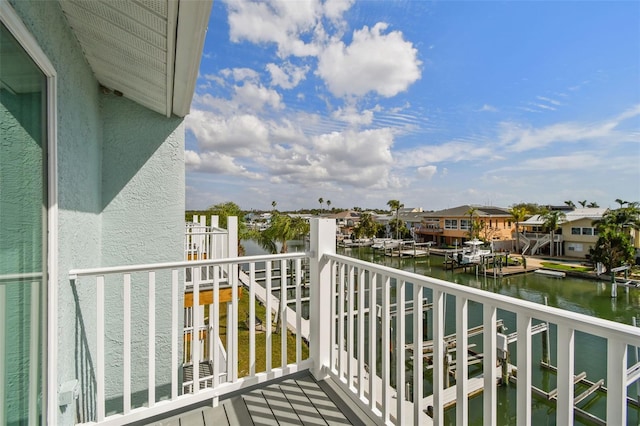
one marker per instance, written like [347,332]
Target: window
[575,231]
[587,231]
[23,217]
[450,224]
[465,224]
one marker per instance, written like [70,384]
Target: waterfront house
[451,226]
[93,276]
[346,221]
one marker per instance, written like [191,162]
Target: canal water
[589,297]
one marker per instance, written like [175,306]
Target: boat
[550,273]
[473,253]
[385,243]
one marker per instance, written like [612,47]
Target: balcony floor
[294,400]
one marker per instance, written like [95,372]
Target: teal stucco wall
[121,201]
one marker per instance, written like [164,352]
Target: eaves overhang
[148,51]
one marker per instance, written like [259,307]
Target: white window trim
[14,24]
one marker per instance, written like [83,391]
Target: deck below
[297,400]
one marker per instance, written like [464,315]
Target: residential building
[451,227]
[346,221]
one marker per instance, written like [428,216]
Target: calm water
[588,297]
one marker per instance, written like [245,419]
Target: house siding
[120,200]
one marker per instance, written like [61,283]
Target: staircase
[542,242]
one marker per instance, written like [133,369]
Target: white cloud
[374,62]
[241,74]
[286,76]
[447,152]
[353,116]
[216,163]
[279,21]
[256,96]
[488,108]
[427,172]
[236,135]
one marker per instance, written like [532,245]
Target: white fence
[358,331]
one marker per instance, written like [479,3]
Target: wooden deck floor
[293,401]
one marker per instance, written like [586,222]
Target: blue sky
[436,104]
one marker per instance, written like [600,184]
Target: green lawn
[565,267]
[261,345]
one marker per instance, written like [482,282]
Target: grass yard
[261,338]
[565,267]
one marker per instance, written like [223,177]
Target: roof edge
[193,18]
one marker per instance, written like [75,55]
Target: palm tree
[472,229]
[583,203]
[552,220]
[328,204]
[282,229]
[621,202]
[593,205]
[321,201]
[395,205]
[274,204]
[518,214]
[570,204]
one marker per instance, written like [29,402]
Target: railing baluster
[174,333]
[417,353]
[400,357]
[341,321]
[195,335]
[152,338]
[361,359]
[439,352]
[252,319]
[233,276]
[269,295]
[386,346]
[298,270]
[462,361]
[283,314]
[216,326]
[350,333]
[126,351]
[616,382]
[566,352]
[373,323]
[333,353]
[100,367]
[523,415]
[490,393]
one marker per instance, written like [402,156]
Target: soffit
[131,46]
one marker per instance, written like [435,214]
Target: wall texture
[120,199]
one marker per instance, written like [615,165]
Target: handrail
[21,277]
[576,320]
[75,273]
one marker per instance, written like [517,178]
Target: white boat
[473,253]
[385,243]
[550,273]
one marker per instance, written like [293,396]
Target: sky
[435,104]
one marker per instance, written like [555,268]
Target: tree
[229,208]
[321,201]
[367,227]
[570,204]
[274,204]
[583,203]
[552,220]
[593,205]
[473,229]
[282,229]
[518,214]
[395,205]
[621,202]
[614,246]
[328,204]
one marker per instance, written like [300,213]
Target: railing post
[323,241]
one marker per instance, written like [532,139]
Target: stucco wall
[120,199]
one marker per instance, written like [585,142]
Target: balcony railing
[371,329]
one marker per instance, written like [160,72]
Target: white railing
[282,358]
[366,357]
[355,361]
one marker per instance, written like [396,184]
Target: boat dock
[409,249]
